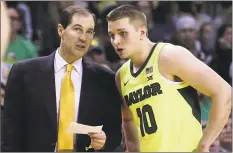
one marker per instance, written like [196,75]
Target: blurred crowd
[202,27]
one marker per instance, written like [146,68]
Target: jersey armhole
[175,84]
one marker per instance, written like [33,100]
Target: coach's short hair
[136,17]
[68,13]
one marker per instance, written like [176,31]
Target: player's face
[78,35]
[124,37]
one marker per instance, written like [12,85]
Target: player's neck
[141,55]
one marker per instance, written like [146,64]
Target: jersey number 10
[144,125]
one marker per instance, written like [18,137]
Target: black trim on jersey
[191,97]
[144,64]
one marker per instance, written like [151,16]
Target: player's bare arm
[129,128]
[178,61]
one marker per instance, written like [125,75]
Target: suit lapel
[48,81]
[85,87]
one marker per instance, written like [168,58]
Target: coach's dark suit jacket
[30,117]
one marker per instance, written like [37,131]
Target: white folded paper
[83,129]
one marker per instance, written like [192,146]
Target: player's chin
[123,56]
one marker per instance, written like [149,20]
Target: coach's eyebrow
[77,25]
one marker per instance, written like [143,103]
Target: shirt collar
[60,63]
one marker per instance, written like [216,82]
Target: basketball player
[158,85]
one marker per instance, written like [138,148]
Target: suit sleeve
[12,113]
[113,120]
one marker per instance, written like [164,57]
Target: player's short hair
[137,18]
[68,13]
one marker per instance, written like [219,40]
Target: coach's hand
[97,140]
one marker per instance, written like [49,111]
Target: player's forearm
[218,116]
[131,136]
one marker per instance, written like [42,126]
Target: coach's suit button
[53,144]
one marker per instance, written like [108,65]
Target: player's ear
[143,32]
[60,30]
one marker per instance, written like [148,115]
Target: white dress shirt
[76,76]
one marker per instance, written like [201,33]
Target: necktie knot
[69,67]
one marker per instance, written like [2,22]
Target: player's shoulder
[117,75]
[172,52]
[122,69]
[125,66]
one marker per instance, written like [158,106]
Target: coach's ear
[60,30]
[143,32]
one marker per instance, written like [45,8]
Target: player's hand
[97,140]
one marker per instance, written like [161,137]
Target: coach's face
[78,35]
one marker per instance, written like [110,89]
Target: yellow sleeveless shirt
[167,114]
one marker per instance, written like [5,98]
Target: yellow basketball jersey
[167,114]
